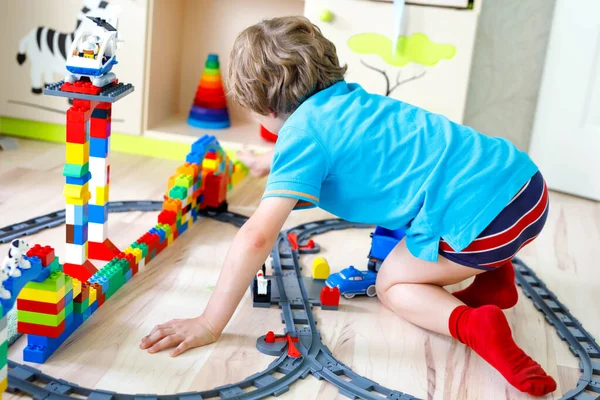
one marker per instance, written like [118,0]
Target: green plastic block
[41,319]
[55,281]
[212,64]
[185,181]
[55,266]
[69,309]
[178,192]
[79,308]
[76,171]
[3,353]
[212,71]
[68,284]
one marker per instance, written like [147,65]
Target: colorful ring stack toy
[209,110]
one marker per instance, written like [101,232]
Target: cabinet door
[430,68]
[35,42]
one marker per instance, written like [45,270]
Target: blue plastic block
[209,124]
[162,235]
[182,228]
[14,285]
[39,354]
[79,181]
[128,275]
[100,113]
[94,306]
[98,147]
[209,114]
[80,234]
[43,275]
[213,57]
[98,214]
[36,354]
[81,214]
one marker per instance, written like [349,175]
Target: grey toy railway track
[315,359]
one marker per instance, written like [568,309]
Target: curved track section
[315,359]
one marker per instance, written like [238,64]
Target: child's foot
[496,287]
[486,331]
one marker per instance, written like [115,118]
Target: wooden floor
[104,352]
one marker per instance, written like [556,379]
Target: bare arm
[249,250]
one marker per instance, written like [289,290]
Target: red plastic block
[45,254]
[100,128]
[41,330]
[80,111]
[330,296]
[81,87]
[39,307]
[127,256]
[167,217]
[215,190]
[105,251]
[76,132]
[80,272]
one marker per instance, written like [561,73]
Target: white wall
[508,61]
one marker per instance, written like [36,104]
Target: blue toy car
[351,282]
[383,242]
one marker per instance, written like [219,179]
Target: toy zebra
[47,48]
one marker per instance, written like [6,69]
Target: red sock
[496,287]
[486,331]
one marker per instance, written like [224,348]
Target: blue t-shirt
[372,159]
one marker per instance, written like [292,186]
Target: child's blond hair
[278,63]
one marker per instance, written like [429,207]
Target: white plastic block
[70,214]
[97,232]
[98,170]
[141,264]
[3,373]
[76,253]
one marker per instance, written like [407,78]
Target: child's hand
[259,165]
[183,333]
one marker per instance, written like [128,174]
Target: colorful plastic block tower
[209,110]
[52,304]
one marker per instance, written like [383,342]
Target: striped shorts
[518,223]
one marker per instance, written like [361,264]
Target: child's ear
[273,114]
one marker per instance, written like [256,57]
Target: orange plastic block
[172,205]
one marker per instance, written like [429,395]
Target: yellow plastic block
[76,287]
[79,201]
[320,268]
[3,386]
[77,153]
[102,195]
[75,191]
[137,253]
[170,240]
[209,164]
[41,295]
[184,180]
[92,296]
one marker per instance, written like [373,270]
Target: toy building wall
[20,19]
[508,60]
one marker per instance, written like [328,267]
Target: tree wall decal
[417,48]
